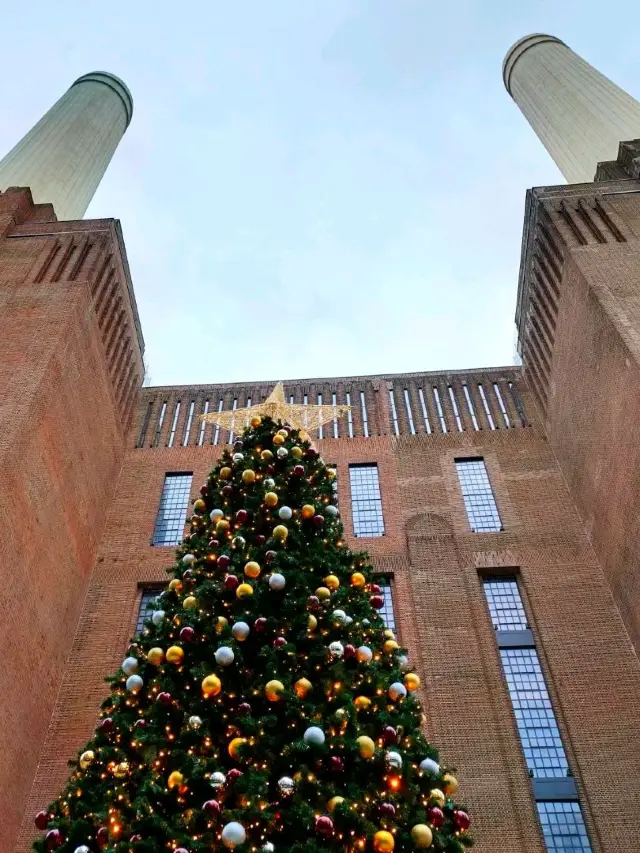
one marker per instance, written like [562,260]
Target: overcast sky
[312,187]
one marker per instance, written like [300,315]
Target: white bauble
[277,581]
[233,834]
[217,779]
[224,656]
[240,631]
[364,654]
[157,617]
[428,765]
[286,786]
[403,663]
[314,736]
[195,723]
[348,620]
[282,453]
[366,623]
[331,511]
[336,649]
[216,515]
[238,542]
[285,513]
[134,683]
[189,559]
[82,849]
[129,666]
[267,847]
[339,616]
[238,457]
[269,483]
[397,691]
[393,759]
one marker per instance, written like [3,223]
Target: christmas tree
[265,706]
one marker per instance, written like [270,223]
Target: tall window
[386,612]
[477,494]
[366,502]
[553,785]
[147,606]
[172,513]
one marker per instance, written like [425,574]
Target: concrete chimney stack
[578,114]
[64,156]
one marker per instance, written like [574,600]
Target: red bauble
[349,651]
[181,850]
[136,837]
[227,490]
[214,543]
[241,516]
[231,582]
[260,624]
[318,520]
[260,539]
[324,826]
[279,642]
[139,724]
[102,836]
[41,820]
[375,589]
[233,775]
[223,561]
[313,602]
[271,468]
[164,698]
[435,816]
[53,839]
[311,453]
[389,734]
[298,470]
[461,820]
[376,601]
[387,810]
[187,634]
[244,708]
[269,556]
[211,808]
[204,490]
[336,764]
[106,725]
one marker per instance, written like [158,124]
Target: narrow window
[172,512]
[349,416]
[147,606]
[174,424]
[436,397]
[335,419]
[320,428]
[233,422]
[163,412]
[216,433]
[366,501]
[407,403]
[485,405]
[503,410]
[478,497]
[472,411]
[517,402]
[386,612]
[187,429]
[365,420]
[394,413]
[425,413]
[203,424]
[454,406]
[291,398]
[563,826]
[145,425]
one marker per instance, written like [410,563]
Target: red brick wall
[442,618]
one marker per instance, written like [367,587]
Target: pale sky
[313,187]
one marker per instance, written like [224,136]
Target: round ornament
[175,779]
[421,835]
[260,624]
[390,646]
[403,663]
[358,580]
[312,622]
[238,457]
[211,685]
[187,634]
[238,542]
[106,725]
[339,616]
[225,473]
[435,816]
[278,439]
[121,770]
[279,642]
[175,654]
[222,526]
[224,656]
[308,511]
[336,649]
[223,561]
[280,532]
[411,681]
[277,581]
[296,451]
[234,747]
[53,839]
[134,683]
[389,734]
[215,515]
[364,654]
[282,453]
[221,623]
[331,581]
[266,455]
[231,582]
[333,802]
[41,820]
[240,631]
[189,559]
[394,760]
[211,808]
[449,784]
[87,758]
[175,585]
[323,593]
[298,470]
[102,836]
[129,666]
[190,602]
[428,765]
[255,421]
[397,691]
[233,834]
[248,476]
[387,810]
[324,826]
[82,849]
[366,746]
[273,690]
[244,590]
[302,687]
[437,796]
[241,516]
[157,617]
[314,736]
[194,723]
[286,786]
[252,569]
[244,709]
[164,698]
[318,520]
[349,651]
[461,820]
[331,510]
[362,703]
[377,601]
[336,764]
[217,779]
[383,841]
[285,513]
[270,483]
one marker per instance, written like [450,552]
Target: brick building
[499,506]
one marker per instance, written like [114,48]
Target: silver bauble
[195,723]
[157,617]
[331,511]
[238,457]
[268,483]
[282,453]
[428,765]
[216,515]
[336,649]
[286,786]
[217,779]
[129,665]
[224,656]
[394,760]
[285,513]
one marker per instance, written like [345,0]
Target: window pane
[479,501]
[366,503]
[505,605]
[147,606]
[173,510]
[536,721]
[387,610]
[563,827]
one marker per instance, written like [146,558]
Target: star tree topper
[275,407]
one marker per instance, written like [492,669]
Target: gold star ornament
[275,407]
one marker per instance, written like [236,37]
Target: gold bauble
[358,580]
[366,746]
[248,476]
[155,656]
[362,702]
[389,635]
[221,624]
[175,779]
[283,433]
[278,439]
[436,796]
[175,584]
[121,770]
[421,835]
[271,500]
[175,654]
[331,473]
[304,435]
[412,682]
[383,841]
[312,622]
[252,569]
[235,745]
[280,532]
[391,646]
[449,784]
[86,758]
[211,685]
[266,455]
[308,511]
[244,590]
[333,802]
[255,421]
[222,526]
[302,687]
[225,473]
[199,505]
[331,581]
[323,593]
[273,690]
[296,452]
[190,602]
